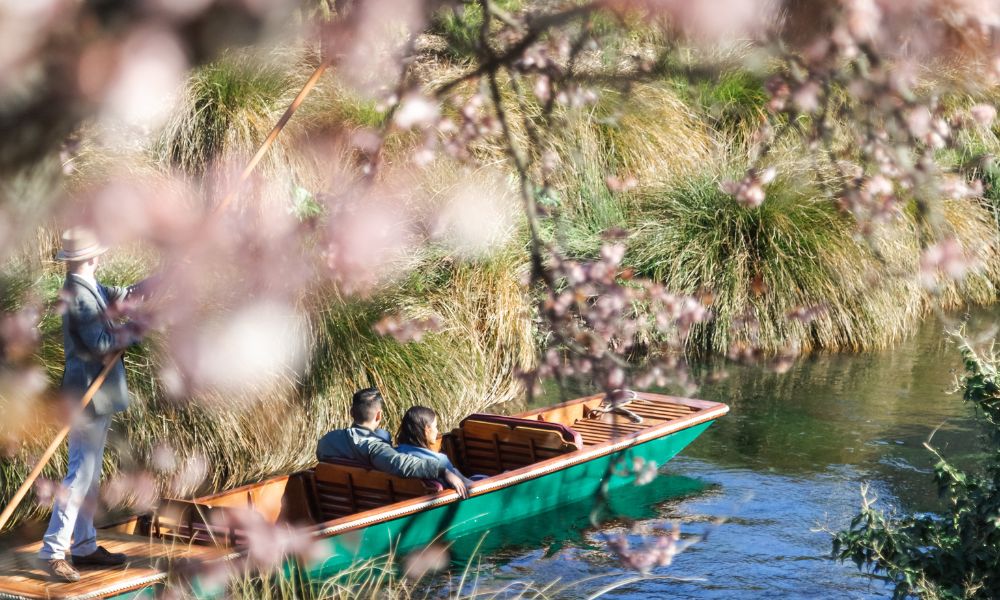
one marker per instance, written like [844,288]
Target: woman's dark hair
[415,422]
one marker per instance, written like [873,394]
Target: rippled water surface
[787,463]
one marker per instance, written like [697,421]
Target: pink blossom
[945,257]
[404,329]
[957,187]
[162,458]
[918,120]
[189,476]
[984,114]
[543,88]
[750,190]
[807,97]
[431,559]
[416,110]
[148,78]
[19,334]
[779,92]
[621,184]
[863,18]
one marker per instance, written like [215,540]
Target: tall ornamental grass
[798,251]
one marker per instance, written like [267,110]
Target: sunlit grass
[798,250]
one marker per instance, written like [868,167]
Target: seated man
[363,442]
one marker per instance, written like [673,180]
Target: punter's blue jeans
[76,502]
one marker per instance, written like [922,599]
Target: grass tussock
[798,251]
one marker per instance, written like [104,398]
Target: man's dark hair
[365,404]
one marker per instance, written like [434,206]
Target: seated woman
[419,427]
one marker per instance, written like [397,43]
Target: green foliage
[735,102]
[953,555]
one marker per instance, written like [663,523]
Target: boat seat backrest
[344,488]
[491,444]
[191,522]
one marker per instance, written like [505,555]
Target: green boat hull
[487,511]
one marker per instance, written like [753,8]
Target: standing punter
[89,339]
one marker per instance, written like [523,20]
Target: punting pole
[225,202]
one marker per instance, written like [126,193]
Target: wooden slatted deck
[610,427]
[22,577]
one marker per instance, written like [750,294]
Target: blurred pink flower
[162,458]
[945,257]
[368,244]
[749,191]
[403,329]
[416,110]
[435,557]
[478,215]
[189,476]
[251,347]
[984,114]
[807,97]
[621,184]
[863,19]
[136,490]
[147,78]
[372,43]
[19,334]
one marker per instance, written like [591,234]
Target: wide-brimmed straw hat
[80,243]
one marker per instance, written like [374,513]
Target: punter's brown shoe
[100,558]
[62,570]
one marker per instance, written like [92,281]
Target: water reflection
[871,411]
[548,533]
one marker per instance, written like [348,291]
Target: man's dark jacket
[89,337]
[372,449]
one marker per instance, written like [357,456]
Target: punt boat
[533,462]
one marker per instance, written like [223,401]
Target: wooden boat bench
[491,444]
[198,523]
[343,488]
[218,519]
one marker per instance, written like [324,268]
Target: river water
[784,468]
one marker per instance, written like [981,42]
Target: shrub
[951,555]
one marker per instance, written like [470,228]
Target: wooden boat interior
[215,526]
